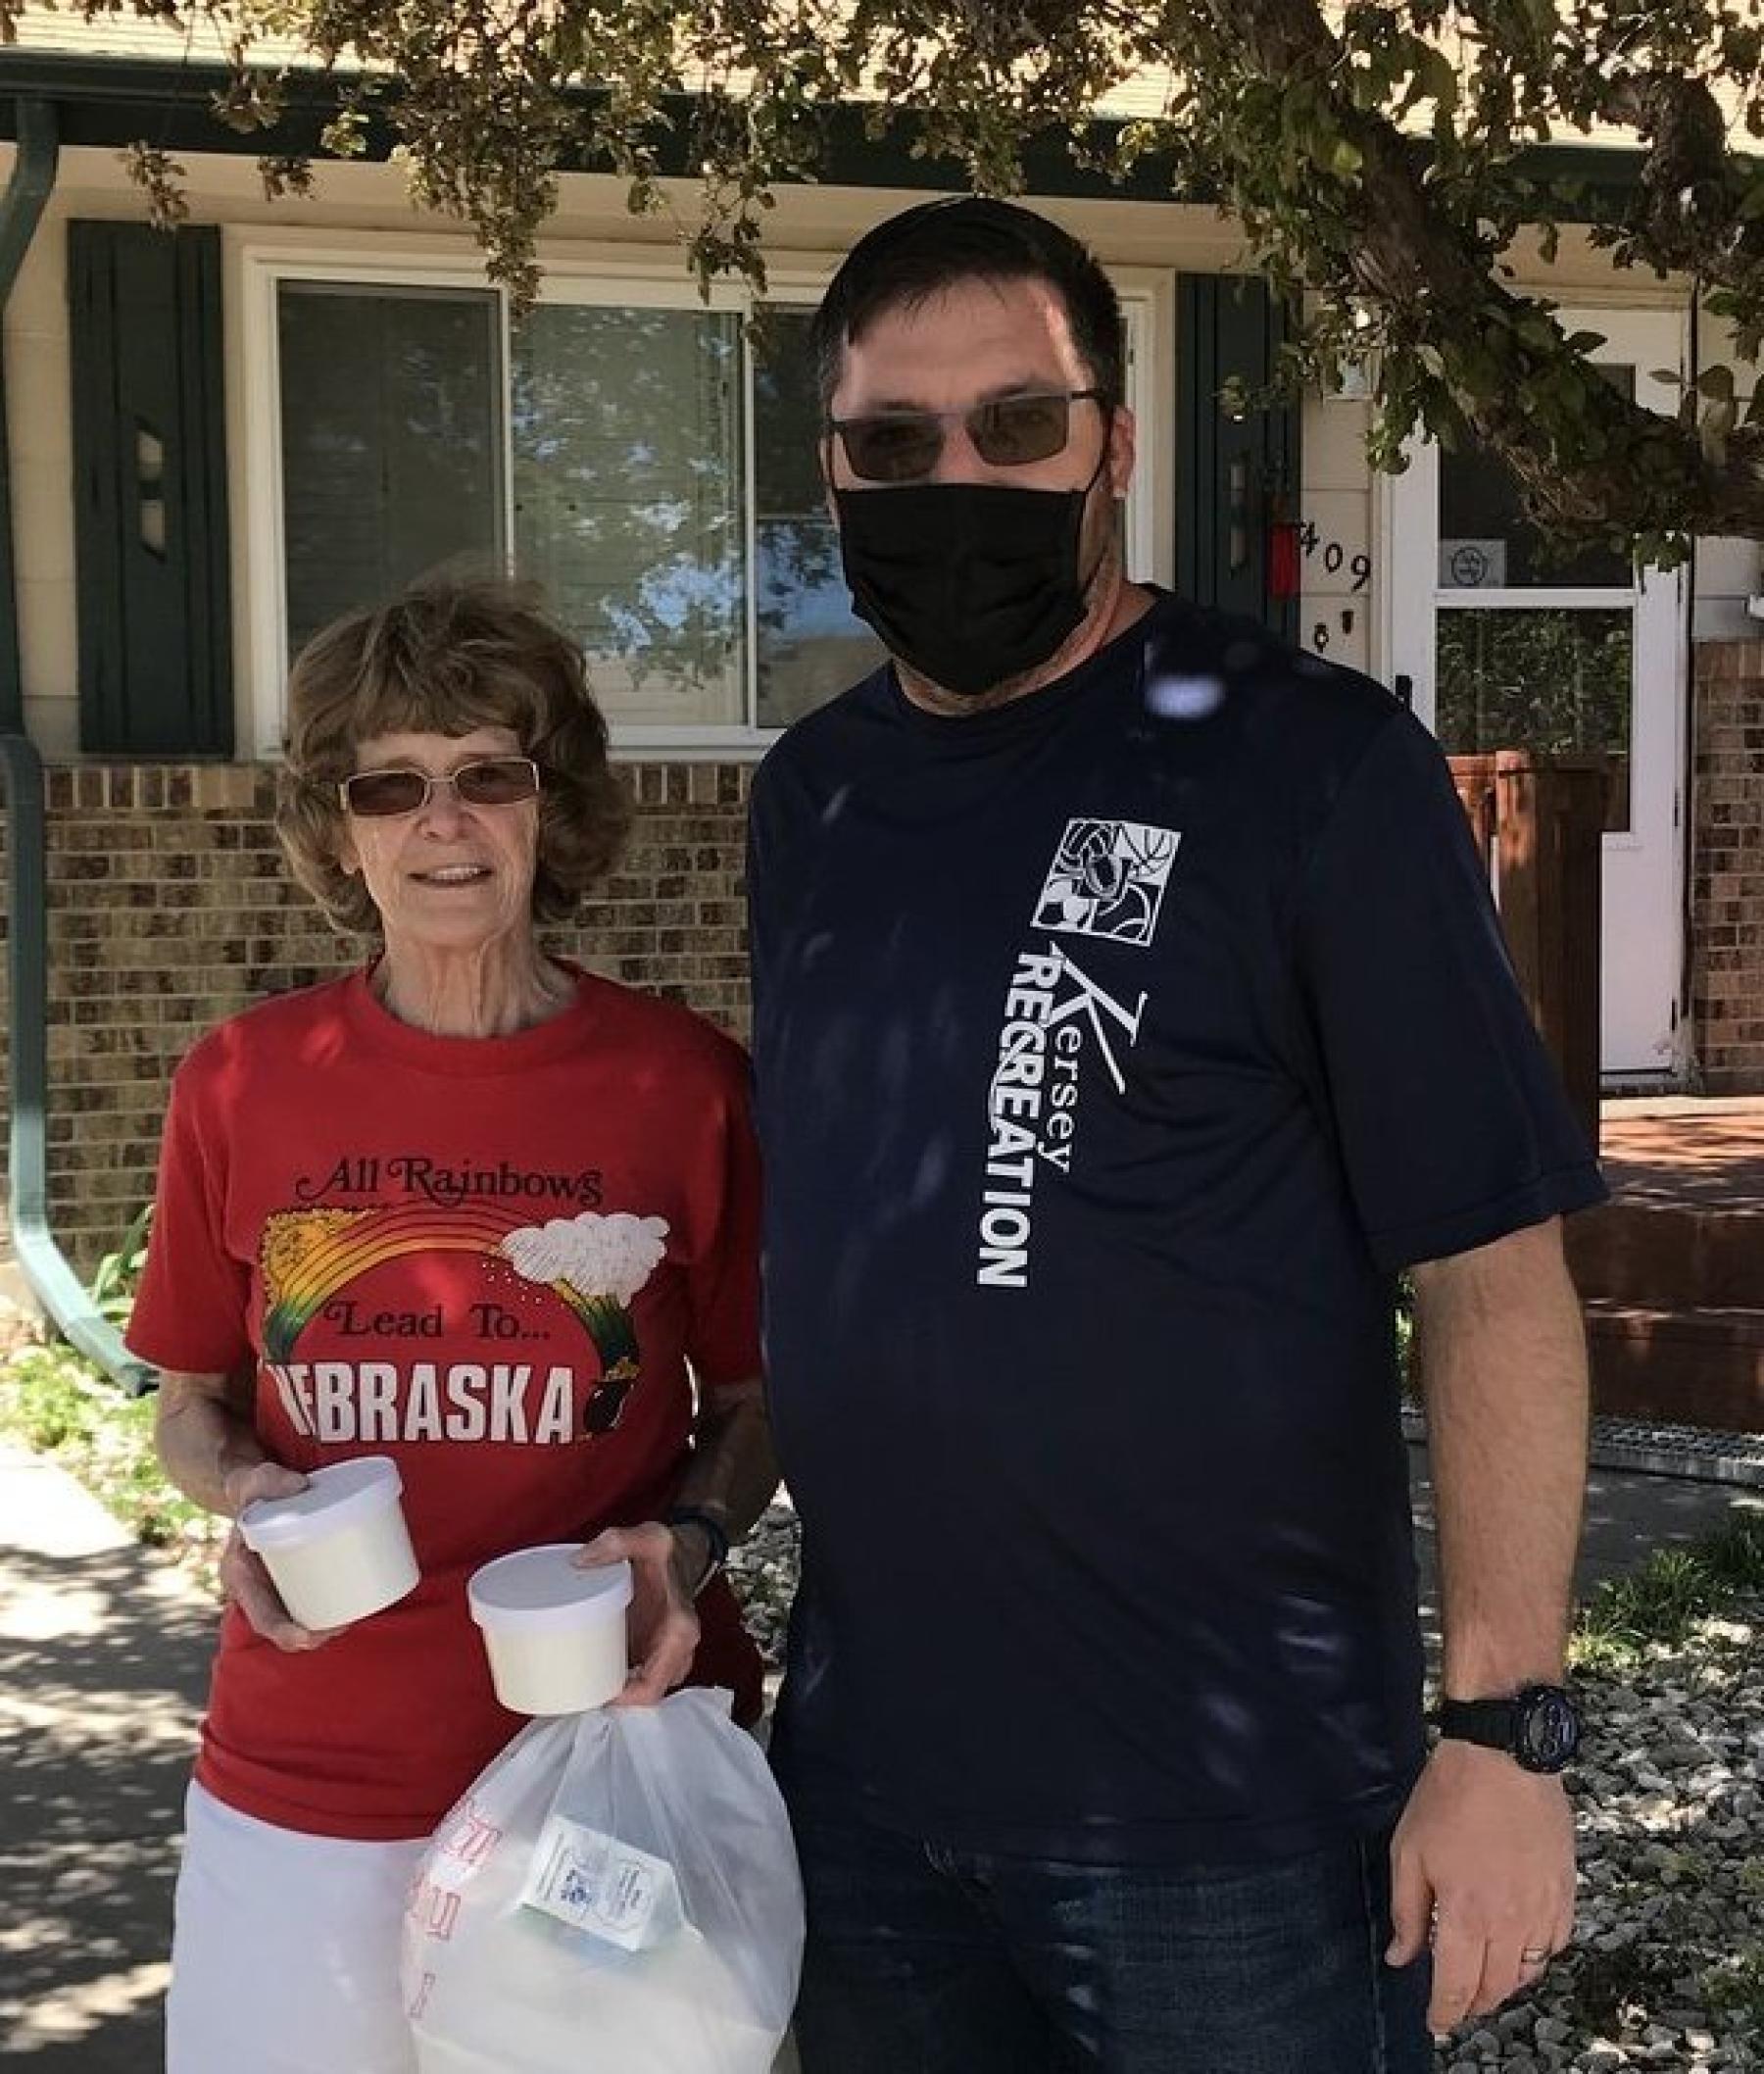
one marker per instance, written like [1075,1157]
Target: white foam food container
[339,1550]
[554,1634]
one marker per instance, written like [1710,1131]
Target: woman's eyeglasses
[486,782]
[1008,432]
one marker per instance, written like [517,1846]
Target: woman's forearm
[733,1472]
[201,1436]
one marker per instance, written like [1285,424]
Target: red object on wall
[1283,558]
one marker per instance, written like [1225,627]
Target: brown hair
[907,260]
[451,653]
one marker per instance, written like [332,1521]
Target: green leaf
[1346,158]
[1442,78]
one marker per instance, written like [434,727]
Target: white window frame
[599,275]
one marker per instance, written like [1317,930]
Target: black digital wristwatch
[1538,1726]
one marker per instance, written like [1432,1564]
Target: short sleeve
[1449,1112]
[723,1277]
[191,1311]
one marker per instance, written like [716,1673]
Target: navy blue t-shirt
[1114,1049]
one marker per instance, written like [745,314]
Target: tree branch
[1588,458]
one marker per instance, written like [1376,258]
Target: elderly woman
[467,1207]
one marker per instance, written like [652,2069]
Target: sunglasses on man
[486,782]
[1006,431]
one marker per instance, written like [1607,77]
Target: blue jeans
[925,1961]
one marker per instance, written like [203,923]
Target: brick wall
[169,908]
[1727,868]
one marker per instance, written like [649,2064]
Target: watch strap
[1540,1726]
[717,1538]
[1493,1723]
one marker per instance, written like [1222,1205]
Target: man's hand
[1483,1864]
[1484,1857]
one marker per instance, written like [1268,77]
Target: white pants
[284,1951]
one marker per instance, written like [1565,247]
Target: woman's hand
[243,1577]
[664,1628]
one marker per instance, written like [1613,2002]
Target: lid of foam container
[542,1588]
[341,1494]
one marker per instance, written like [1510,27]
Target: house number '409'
[1335,556]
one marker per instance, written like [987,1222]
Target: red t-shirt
[492,1259]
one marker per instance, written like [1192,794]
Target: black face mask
[968,582]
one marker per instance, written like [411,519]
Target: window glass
[390,441]
[1485,544]
[1555,681]
[626,439]
[810,644]
[612,448]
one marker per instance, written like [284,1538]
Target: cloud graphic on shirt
[611,1254]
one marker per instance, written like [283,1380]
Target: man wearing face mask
[1129,1010]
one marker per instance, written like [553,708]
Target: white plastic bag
[617,1894]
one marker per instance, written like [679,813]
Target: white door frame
[1640,1044]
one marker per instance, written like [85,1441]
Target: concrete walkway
[1686,1149]
[103,1663]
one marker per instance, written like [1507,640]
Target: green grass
[119,1273]
[1735,1988]
[1609,1988]
[1660,1601]
[57,1404]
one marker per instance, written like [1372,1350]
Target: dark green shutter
[150,490]
[1235,479]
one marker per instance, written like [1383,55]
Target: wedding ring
[1533,1957]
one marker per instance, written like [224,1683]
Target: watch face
[1548,1729]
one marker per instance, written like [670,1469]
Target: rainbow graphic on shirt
[595,1263]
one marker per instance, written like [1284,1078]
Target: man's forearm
[1504,1363]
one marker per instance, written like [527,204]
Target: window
[1551,668]
[649,460]
[388,463]
[806,635]
[627,437]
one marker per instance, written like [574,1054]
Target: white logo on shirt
[1031,1104]
[1107,879]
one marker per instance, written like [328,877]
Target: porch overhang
[111,103]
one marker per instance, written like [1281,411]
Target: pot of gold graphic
[595,1262]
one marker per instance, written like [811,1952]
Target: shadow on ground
[103,1663]
[1628,1518]
[104,1652]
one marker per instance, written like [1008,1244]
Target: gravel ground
[1668,1971]
[763,1571]
[1669,1968]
